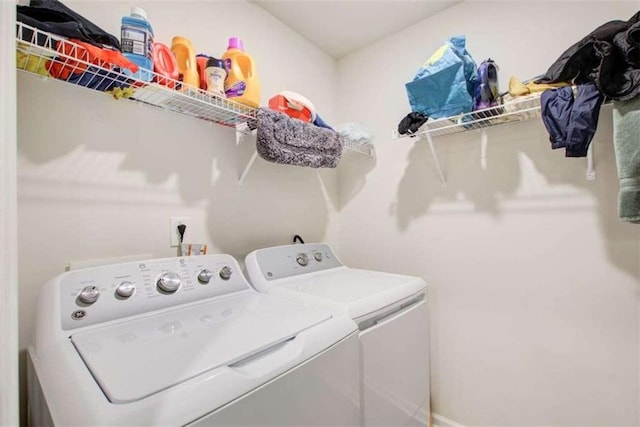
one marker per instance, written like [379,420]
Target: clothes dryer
[390,310]
[186,341]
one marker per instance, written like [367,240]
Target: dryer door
[395,364]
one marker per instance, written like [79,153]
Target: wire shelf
[517,110]
[366,149]
[50,55]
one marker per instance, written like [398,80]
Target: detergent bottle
[186,58]
[216,74]
[136,40]
[165,65]
[242,83]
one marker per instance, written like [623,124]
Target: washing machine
[186,341]
[390,310]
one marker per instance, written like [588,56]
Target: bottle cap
[235,43]
[215,62]
[138,11]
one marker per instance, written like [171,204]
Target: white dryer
[186,341]
[391,313]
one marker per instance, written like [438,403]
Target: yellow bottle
[186,58]
[242,83]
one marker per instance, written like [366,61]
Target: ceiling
[342,27]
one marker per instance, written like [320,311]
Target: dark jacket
[54,17]
[607,57]
[571,122]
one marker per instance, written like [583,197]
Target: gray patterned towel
[289,141]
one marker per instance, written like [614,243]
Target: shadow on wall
[358,166]
[153,143]
[477,184]
[275,202]
[142,156]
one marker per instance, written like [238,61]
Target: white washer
[186,341]
[391,313]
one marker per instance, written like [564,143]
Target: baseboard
[440,421]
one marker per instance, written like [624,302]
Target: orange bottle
[186,58]
[242,84]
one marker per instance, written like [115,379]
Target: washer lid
[135,359]
[353,291]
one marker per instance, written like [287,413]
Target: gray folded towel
[626,137]
[289,141]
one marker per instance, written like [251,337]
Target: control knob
[225,273]
[169,282]
[318,256]
[205,276]
[89,294]
[302,259]
[125,289]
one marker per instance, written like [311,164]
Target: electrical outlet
[174,222]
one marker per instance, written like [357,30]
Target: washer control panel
[291,260]
[101,294]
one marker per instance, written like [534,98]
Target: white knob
[89,294]
[125,289]
[318,256]
[302,259]
[169,282]
[205,276]
[225,273]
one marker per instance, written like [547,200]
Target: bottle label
[237,89]
[215,80]
[137,41]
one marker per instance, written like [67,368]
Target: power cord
[298,239]
[181,229]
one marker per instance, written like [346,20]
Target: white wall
[99,178]
[533,279]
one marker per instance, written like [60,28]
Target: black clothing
[54,17]
[607,57]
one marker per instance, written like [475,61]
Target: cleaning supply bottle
[216,75]
[165,65]
[242,83]
[186,58]
[136,40]
[201,62]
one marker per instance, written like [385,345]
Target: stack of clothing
[604,64]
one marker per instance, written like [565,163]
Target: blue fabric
[571,123]
[321,123]
[556,108]
[100,79]
[446,86]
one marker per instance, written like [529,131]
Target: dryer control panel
[280,262]
[95,295]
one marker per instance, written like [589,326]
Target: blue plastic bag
[444,86]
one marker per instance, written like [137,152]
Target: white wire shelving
[51,56]
[517,110]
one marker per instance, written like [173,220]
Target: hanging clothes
[571,121]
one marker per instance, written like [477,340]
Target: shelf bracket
[443,180]
[591,170]
[484,140]
[247,168]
